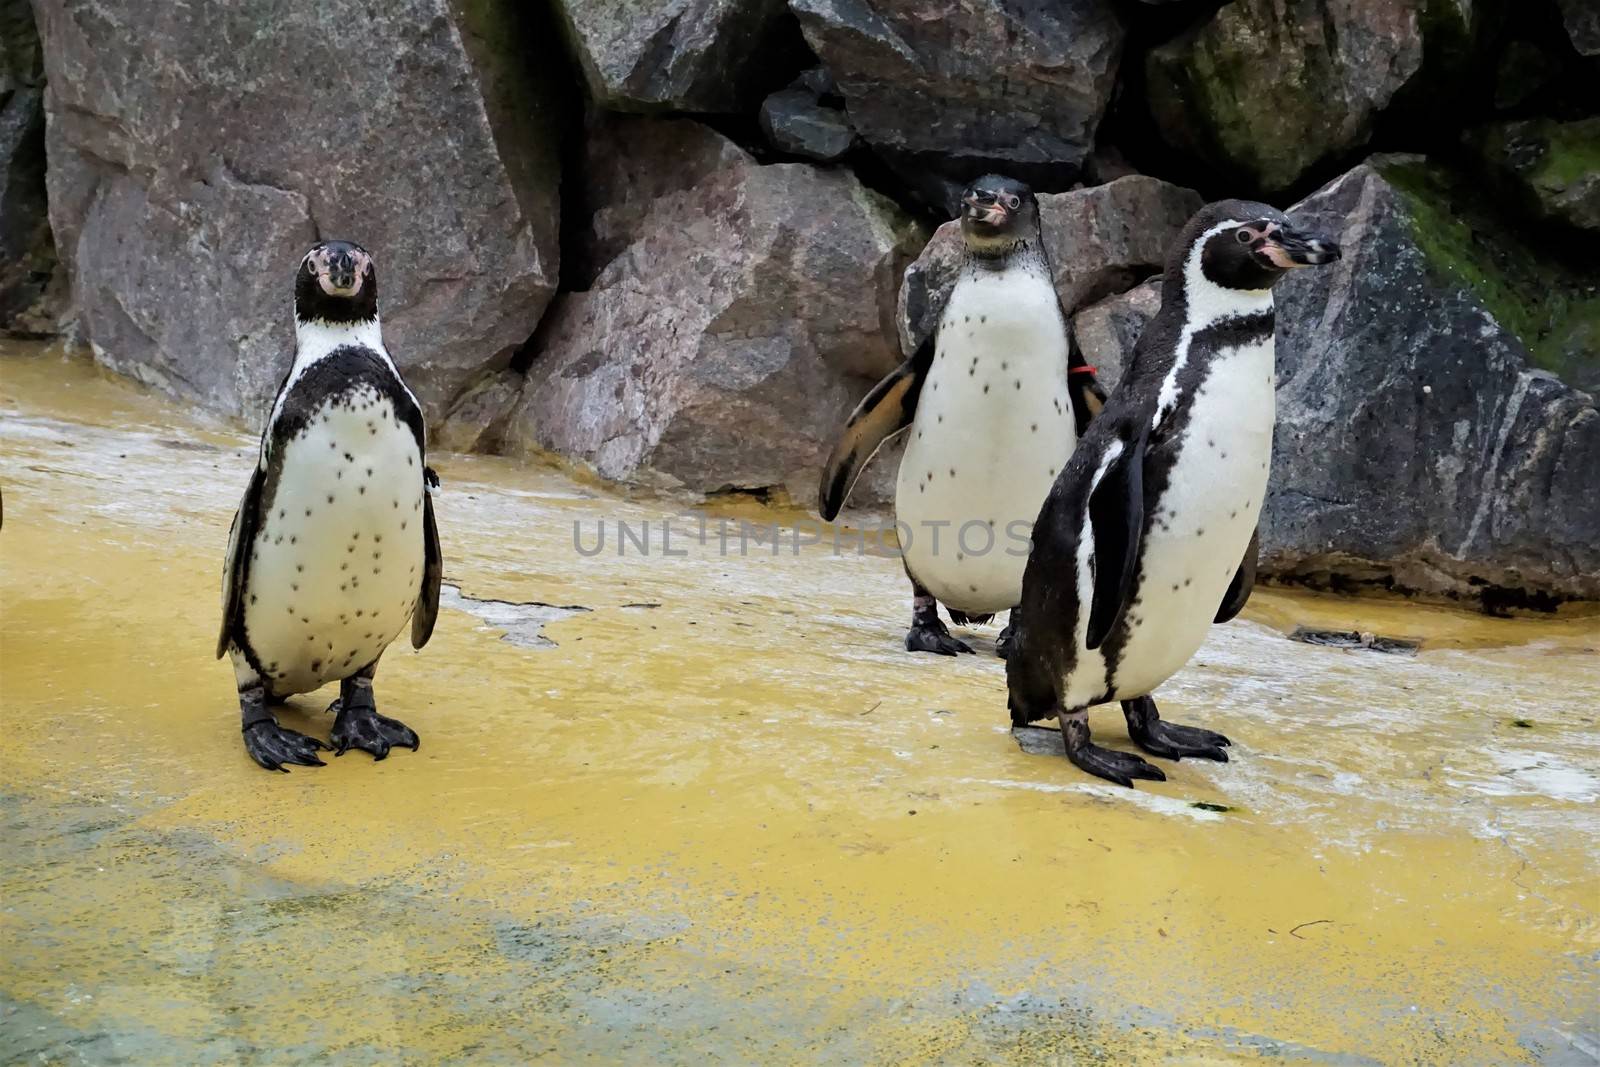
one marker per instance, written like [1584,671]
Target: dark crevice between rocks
[1480,594]
[1454,61]
[765,495]
[28,259]
[548,61]
[523,358]
[1128,125]
[784,56]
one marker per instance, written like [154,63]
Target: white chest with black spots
[993,427]
[337,561]
[1197,536]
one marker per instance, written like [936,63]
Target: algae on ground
[1551,306]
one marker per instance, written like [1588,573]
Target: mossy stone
[1552,306]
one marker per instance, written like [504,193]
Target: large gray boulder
[1422,443]
[740,312]
[196,151]
[1101,240]
[966,86]
[679,55]
[27,254]
[1267,89]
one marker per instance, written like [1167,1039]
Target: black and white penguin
[1148,535]
[334,549]
[994,401]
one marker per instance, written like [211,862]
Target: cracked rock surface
[733,303]
[194,157]
[680,55]
[965,86]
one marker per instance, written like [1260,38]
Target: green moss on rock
[1553,308]
[1572,154]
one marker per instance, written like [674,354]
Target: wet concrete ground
[724,818]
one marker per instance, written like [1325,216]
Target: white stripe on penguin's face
[1205,303]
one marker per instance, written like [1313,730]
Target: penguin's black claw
[934,638]
[1005,643]
[1174,741]
[272,746]
[362,727]
[1113,766]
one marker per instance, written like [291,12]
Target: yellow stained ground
[743,825]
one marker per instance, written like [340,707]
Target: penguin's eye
[1013,202]
[1244,237]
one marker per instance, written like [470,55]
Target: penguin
[1148,534]
[334,549]
[993,401]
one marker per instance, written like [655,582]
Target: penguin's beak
[991,212]
[1289,248]
[342,276]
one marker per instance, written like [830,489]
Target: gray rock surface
[1417,442]
[1553,166]
[1108,329]
[795,122]
[1269,88]
[27,254]
[1101,240]
[680,55]
[741,312]
[1583,24]
[967,86]
[194,156]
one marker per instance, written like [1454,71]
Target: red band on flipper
[1085,369]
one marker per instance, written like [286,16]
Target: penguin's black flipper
[882,413]
[1084,390]
[241,535]
[1244,580]
[426,612]
[1116,515]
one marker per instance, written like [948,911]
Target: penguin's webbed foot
[932,636]
[1113,766]
[1174,741]
[1006,642]
[358,725]
[272,746]
[1171,740]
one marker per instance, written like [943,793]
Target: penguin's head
[336,283]
[997,214]
[1246,245]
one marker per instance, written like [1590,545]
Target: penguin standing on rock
[1148,535]
[334,549]
[994,401]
